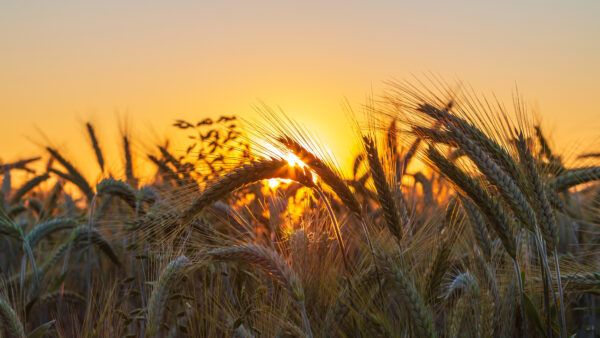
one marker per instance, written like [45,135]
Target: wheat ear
[478,226]
[500,156]
[384,193]
[117,188]
[489,207]
[160,294]
[44,229]
[9,320]
[95,145]
[507,187]
[573,177]
[74,176]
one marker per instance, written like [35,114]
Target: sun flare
[294,160]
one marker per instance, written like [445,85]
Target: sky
[148,63]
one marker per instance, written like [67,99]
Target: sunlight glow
[275,182]
[293,160]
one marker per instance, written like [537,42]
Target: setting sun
[293,160]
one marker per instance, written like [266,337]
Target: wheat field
[457,218]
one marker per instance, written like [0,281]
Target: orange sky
[65,62]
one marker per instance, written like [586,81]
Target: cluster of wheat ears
[457,220]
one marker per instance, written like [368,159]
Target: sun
[275,182]
[294,160]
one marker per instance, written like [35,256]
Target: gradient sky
[66,62]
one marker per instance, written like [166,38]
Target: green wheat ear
[160,294]
[10,322]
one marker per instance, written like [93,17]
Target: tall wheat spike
[74,176]
[95,145]
[573,177]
